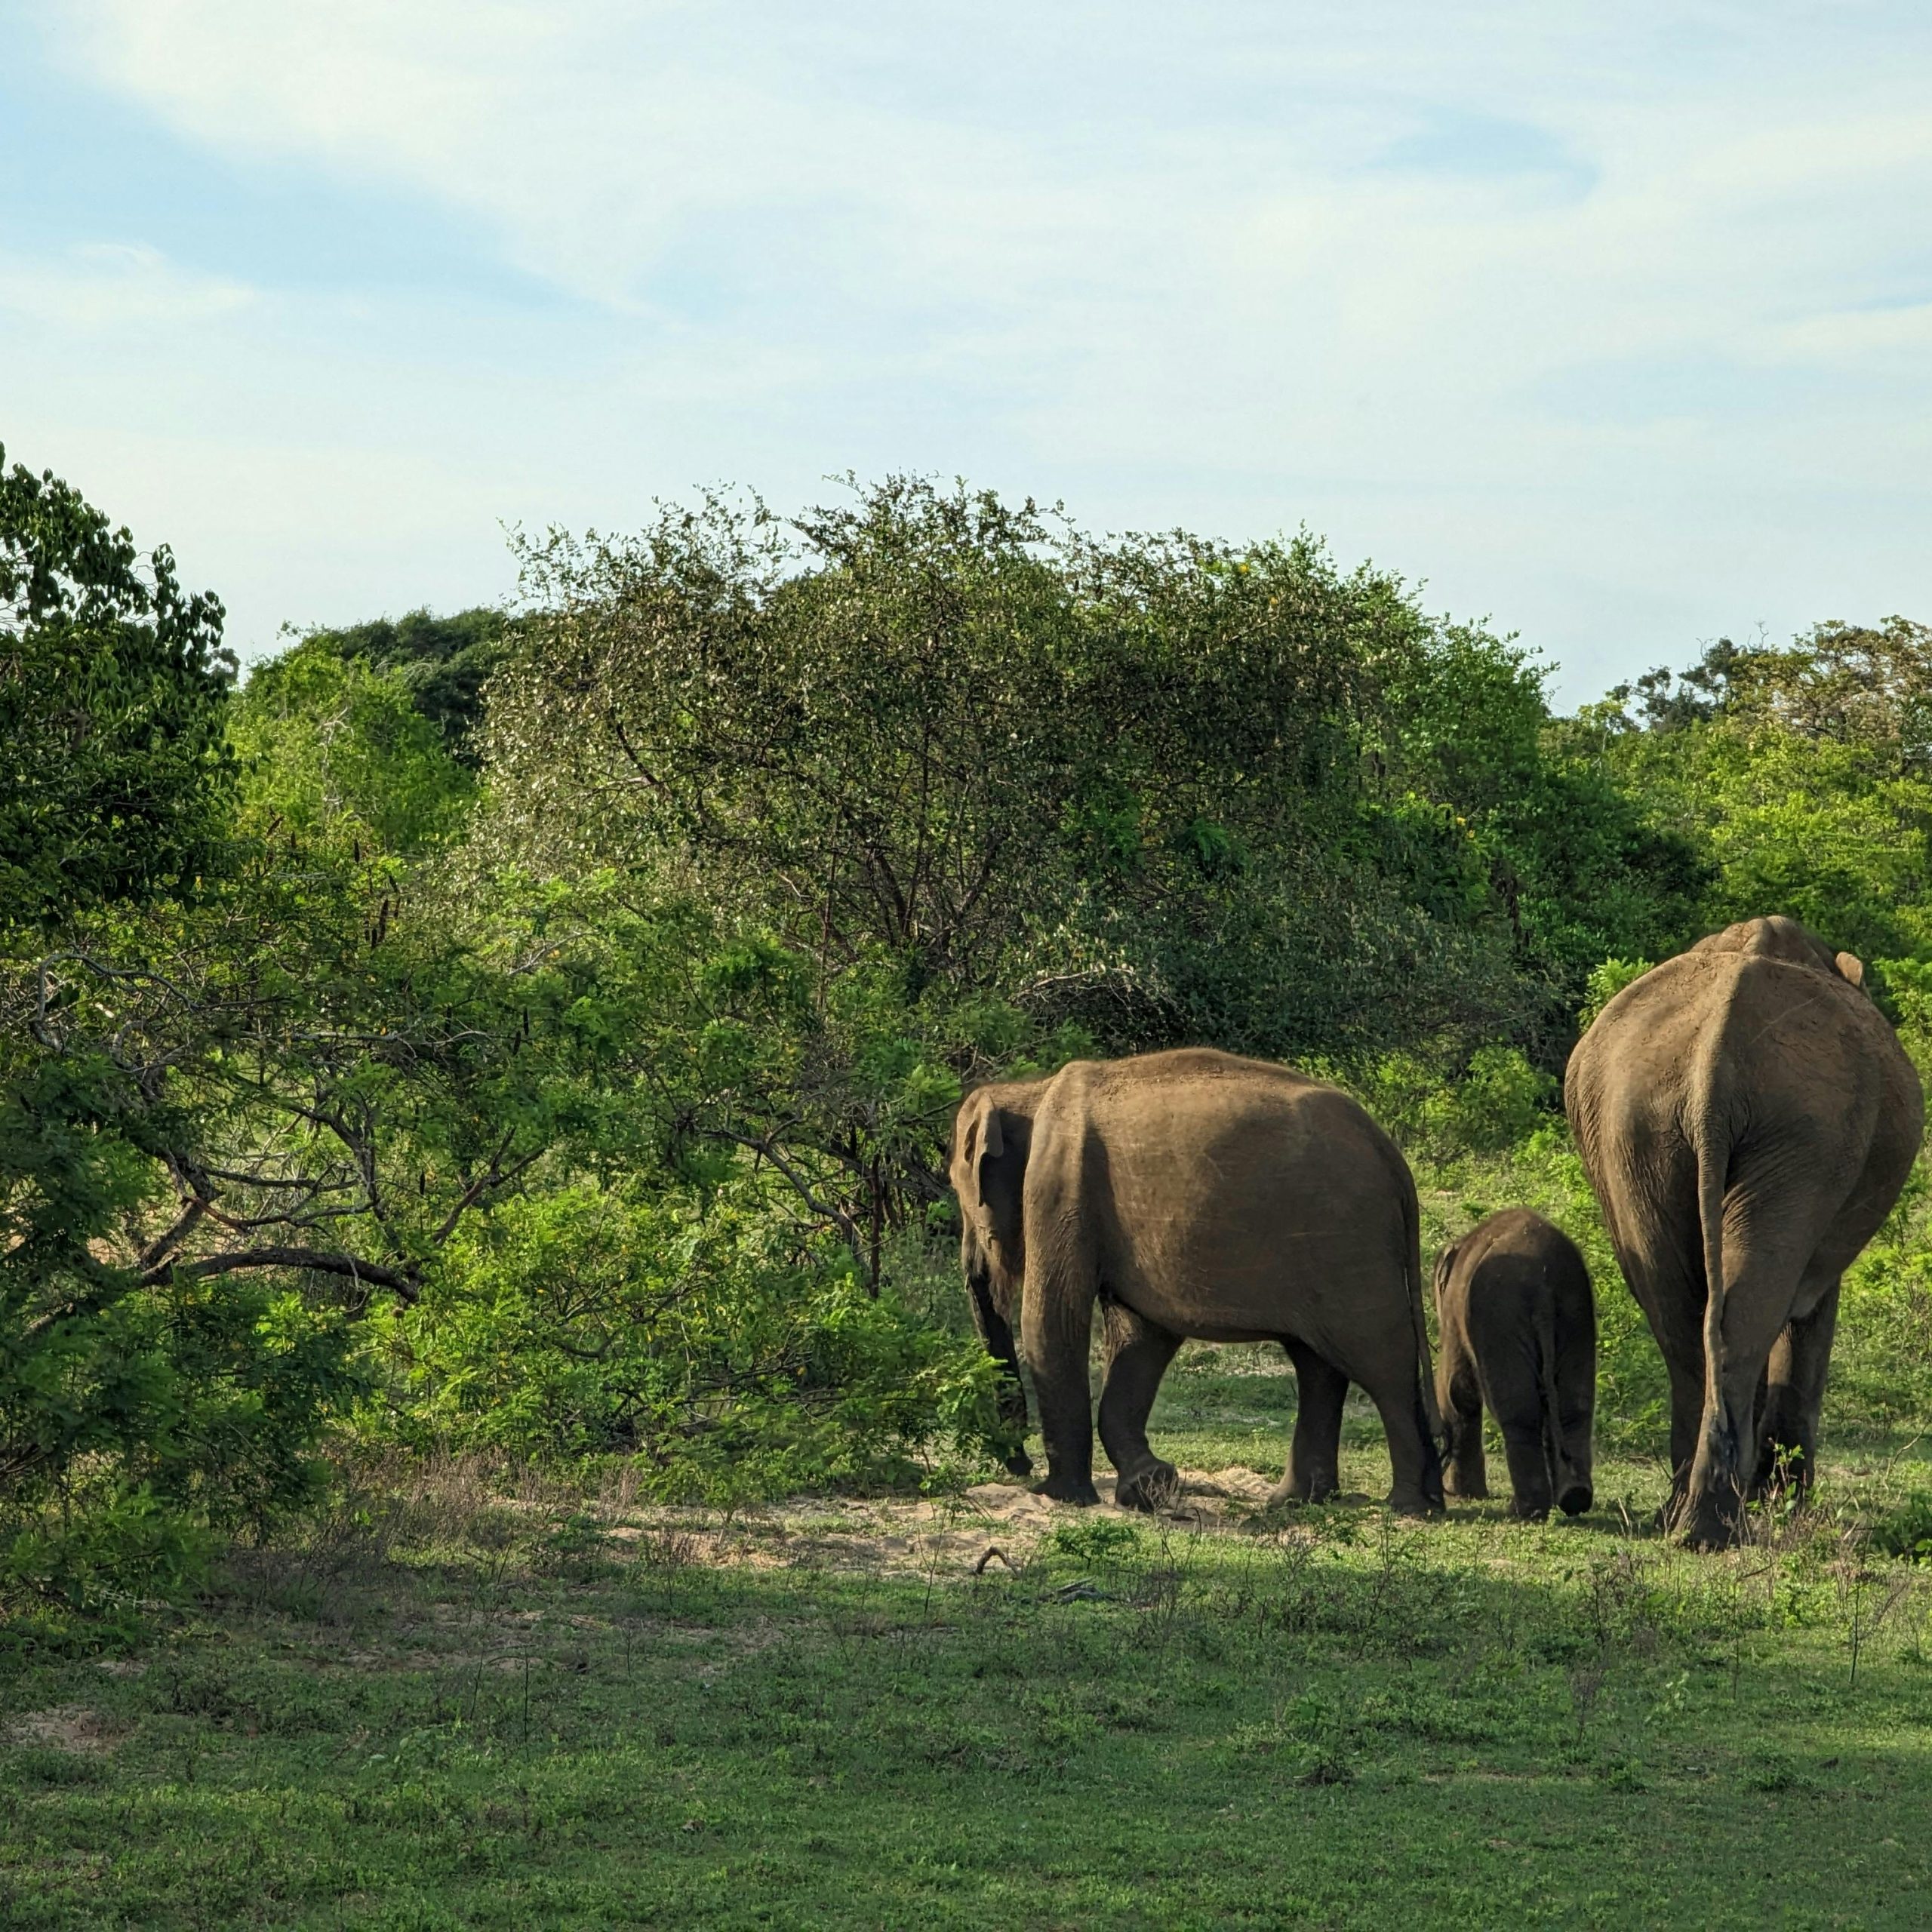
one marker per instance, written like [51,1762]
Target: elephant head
[991,1140]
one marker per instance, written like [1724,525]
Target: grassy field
[452,1707]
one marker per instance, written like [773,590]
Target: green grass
[442,1709]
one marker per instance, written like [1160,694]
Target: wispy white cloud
[1488,290]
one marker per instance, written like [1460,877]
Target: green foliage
[1580,867]
[334,749]
[1607,979]
[1906,1530]
[442,663]
[1802,779]
[1499,1099]
[540,1035]
[113,765]
[974,791]
[142,1407]
[730,1356]
[138,1410]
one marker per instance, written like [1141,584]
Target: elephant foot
[1297,1489]
[1530,1513]
[1284,1496]
[1078,1490]
[1408,1502]
[1576,1499]
[1154,1488]
[1477,1491]
[1704,1525]
[1018,1464]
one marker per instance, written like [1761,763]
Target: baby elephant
[1519,1332]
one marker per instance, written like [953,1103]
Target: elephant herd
[1743,1112]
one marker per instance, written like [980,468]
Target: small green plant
[1605,982]
[1906,1530]
[1095,1539]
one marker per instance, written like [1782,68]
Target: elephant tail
[1712,1163]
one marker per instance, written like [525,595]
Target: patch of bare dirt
[64,1727]
[940,1535]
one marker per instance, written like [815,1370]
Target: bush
[1907,1531]
[1500,1099]
[706,1338]
[139,1412]
[1882,1356]
[1606,982]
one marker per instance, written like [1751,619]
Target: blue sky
[1614,324]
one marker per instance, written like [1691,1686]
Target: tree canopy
[114,766]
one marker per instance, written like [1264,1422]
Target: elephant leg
[1415,1464]
[1576,1406]
[1526,1448]
[1788,1430]
[1759,1292]
[1459,1394]
[1056,1333]
[1666,1274]
[1687,1418]
[1314,1471]
[1137,1355]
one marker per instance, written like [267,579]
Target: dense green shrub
[140,1408]
[702,1337]
[1498,1099]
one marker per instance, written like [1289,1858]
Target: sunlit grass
[469,1701]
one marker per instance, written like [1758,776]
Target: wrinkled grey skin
[1517,1327]
[1747,1118]
[1192,1194]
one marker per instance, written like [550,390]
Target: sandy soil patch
[63,1727]
[944,1536]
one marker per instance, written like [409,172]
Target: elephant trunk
[996,1332]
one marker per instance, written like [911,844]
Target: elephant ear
[1851,968]
[1000,1173]
[976,1114]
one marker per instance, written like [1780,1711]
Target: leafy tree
[961,787]
[442,663]
[146,1406]
[114,768]
[1578,868]
[336,749]
[1805,788]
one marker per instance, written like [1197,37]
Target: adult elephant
[1747,1118]
[1193,1194]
